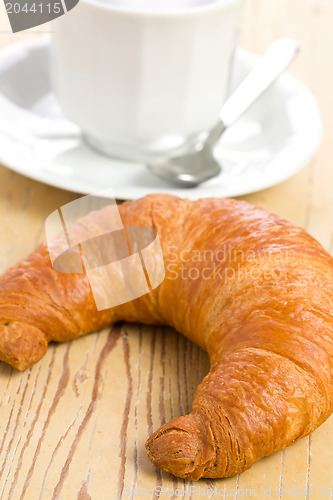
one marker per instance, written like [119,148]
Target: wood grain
[74,426]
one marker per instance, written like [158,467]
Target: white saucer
[274,140]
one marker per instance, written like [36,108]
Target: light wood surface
[74,425]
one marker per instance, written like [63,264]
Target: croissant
[253,290]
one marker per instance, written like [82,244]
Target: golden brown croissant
[252,289]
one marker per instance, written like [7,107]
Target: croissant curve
[260,302]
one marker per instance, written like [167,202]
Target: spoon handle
[277,58]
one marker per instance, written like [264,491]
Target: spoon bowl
[190,169]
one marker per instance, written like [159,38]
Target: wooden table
[74,425]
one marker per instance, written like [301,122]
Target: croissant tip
[177,448]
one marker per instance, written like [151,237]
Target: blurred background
[306,198]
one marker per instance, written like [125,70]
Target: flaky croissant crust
[261,304]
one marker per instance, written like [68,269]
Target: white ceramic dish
[274,140]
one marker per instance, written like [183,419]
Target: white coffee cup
[141,82]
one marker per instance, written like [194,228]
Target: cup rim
[162,13]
